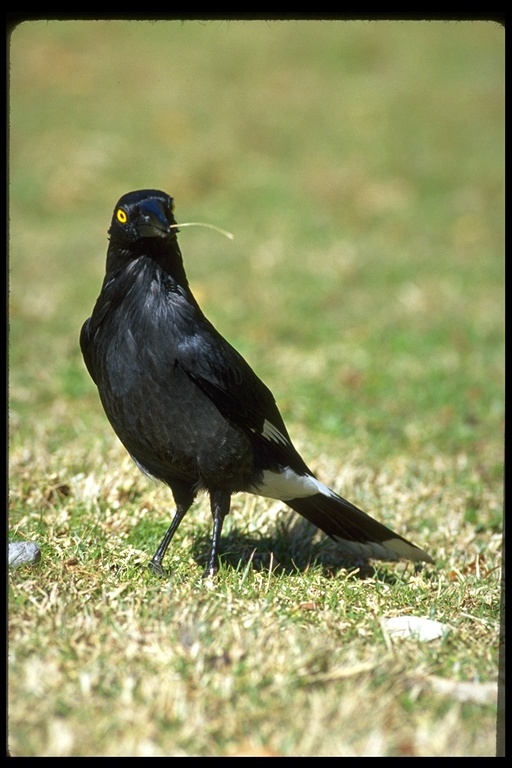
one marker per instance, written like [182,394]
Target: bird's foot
[156,568]
[210,572]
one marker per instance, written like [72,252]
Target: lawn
[360,167]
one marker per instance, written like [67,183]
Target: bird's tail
[358,533]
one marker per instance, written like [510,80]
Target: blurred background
[360,166]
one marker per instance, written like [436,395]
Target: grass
[360,167]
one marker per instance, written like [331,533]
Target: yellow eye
[121,216]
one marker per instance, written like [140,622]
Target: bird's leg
[155,565]
[220,502]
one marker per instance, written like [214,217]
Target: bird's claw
[157,569]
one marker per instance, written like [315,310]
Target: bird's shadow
[292,546]
[288,550]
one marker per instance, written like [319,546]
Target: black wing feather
[229,382]
[86,347]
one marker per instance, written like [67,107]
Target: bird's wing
[224,376]
[241,397]
[85,346]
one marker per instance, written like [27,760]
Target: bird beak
[152,221]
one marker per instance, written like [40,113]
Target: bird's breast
[161,416]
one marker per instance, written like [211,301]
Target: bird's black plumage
[186,405]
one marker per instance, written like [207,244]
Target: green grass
[360,167]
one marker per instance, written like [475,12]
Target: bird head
[146,213]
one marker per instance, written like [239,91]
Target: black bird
[186,405]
